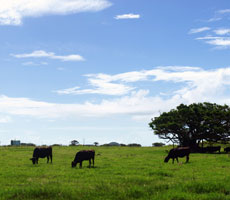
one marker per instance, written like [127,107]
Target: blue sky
[99,70]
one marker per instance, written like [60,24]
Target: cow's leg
[187,158]
[177,159]
[89,163]
[51,158]
[37,160]
[47,159]
[173,160]
[81,164]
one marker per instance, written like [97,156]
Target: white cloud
[135,104]
[199,30]
[224,11]
[12,12]
[222,42]
[216,41]
[68,91]
[128,16]
[30,63]
[51,55]
[196,85]
[116,85]
[202,85]
[100,87]
[209,37]
[222,31]
[5,119]
[214,19]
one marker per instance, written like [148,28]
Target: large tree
[74,143]
[187,125]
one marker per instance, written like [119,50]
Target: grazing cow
[227,149]
[84,155]
[212,149]
[42,152]
[178,152]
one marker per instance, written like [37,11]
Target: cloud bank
[195,85]
[221,42]
[12,12]
[222,31]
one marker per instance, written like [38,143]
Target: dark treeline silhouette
[158,144]
[122,145]
[27,144]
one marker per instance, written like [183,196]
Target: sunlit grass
[119,173]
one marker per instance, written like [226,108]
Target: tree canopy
[187,125]
[74,143]
[96,143]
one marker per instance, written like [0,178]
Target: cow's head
[73,164]
[33,160]
[166,159]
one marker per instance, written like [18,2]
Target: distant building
[15,143]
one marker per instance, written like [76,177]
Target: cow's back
[42,152]
[85,155]
[179,152]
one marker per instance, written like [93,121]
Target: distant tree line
[27,144]
[123,145]
[75,143]
[158,144]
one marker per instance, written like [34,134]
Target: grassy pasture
[119,173]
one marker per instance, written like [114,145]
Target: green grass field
[119,173]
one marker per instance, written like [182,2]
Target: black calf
[83,155]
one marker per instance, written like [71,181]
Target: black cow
[178,152]
[212,149]
[227,149]
[42,152]
[83,155]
